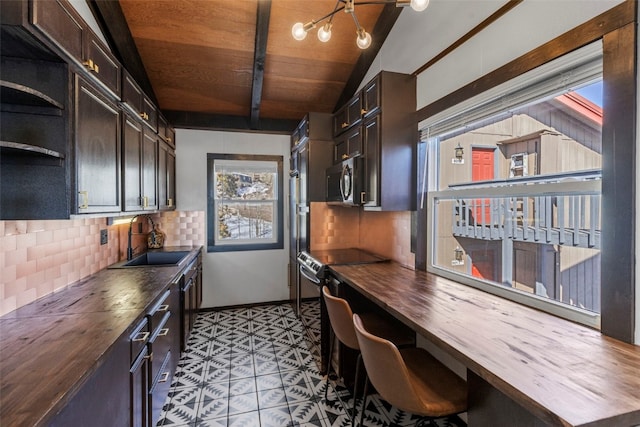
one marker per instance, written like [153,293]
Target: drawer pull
[141,337]
[92,66]
[363,198]
[85,199]
[363,111]
[164,307]
[345,156]
[164,377]
[163,332]
[145,116]
[344,125]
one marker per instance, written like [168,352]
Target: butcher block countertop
[50,347]
[563,373]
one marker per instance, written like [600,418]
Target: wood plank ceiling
[208,64]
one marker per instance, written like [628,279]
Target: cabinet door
[371,130]
[340,121]
[371,97]
[166,177]
[149,171]
[131,161]
[97,151]
[131,94]
[354,142]
[60,22]
[149,113]
[139,389]
[101,63]
[354,110]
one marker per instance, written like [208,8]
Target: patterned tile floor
[258,366]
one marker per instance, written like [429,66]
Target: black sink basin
[154,259]
[157,258]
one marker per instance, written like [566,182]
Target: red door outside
[483,264]
[482,169]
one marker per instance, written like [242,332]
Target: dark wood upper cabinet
[348,115]
[149,171]
[60,22]
[131,161]
[386,139]
[166,176]
[101,63]
[97,151]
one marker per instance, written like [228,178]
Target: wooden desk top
[564,373]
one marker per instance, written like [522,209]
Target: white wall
[232,278]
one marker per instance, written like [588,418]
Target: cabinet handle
[92,66]
[344,125]
[345,156]
[145,202]
[164,377]
[85,199]
[163,332]
[169,140]
[363,111]
[144,116]
[363,198]
[142,336]
[163,307]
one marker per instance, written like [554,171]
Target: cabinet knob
[363,111]
[144,116]
[345,156]
[344,125]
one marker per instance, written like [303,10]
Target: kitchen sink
[156,259]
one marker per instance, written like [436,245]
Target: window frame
[215,245]
[618,31]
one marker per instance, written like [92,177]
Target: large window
[244,202]
[514,188]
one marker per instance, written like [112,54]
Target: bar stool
[340,317]
[410,379]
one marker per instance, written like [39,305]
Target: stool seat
[410,379]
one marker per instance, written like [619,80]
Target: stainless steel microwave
[344,182]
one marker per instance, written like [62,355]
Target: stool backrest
[341,318]
[386,369]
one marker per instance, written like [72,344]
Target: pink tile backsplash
[383,233]
[40,257]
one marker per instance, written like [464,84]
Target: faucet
[129,248]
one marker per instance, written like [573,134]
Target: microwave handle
[344,169]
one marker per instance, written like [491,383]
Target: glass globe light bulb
[419,5]
[324,33]
[298,31]
[364,39]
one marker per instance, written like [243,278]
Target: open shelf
[14,93]
[17,148]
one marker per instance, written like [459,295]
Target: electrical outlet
[104,237]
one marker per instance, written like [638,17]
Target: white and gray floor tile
[259,366]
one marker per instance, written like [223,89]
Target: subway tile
[15,287]
[35,226]
[29,295]
[8,243]
[44,237]
[24,269]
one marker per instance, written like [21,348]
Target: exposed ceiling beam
[206,121]
[387,19]
[260,53]
[114,26]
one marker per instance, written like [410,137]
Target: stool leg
[355,390]
[331,342]
[364,399]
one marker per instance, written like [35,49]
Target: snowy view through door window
[245,201]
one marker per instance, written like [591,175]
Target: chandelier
[363,39]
